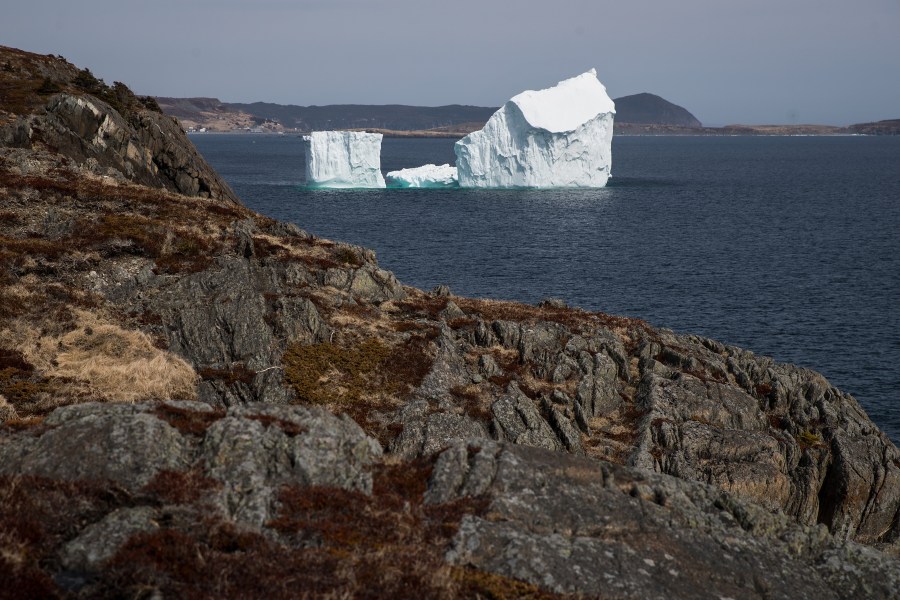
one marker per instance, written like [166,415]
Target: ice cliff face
[343,159]
[557,137]
[426,176]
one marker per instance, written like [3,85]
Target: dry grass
[123,365]
[7,410]
[99,360]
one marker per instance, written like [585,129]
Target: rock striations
[197,400]
[49,104]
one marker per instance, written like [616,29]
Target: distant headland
[637,114]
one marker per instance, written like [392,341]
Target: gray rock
[258,448]
[237,314]
[508,333]
[100,541]
[563,427]
[553,303]
[517,420]
[448,371]
[845,474]
[121,443]
[451,311]
[598,391]
[150,149]
[576,525]
[487,366]
[424,434]
[253,450]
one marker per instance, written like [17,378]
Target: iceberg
[557,137]
[426,176]
[343,159]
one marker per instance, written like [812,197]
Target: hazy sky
[727,61]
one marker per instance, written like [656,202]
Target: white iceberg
[426,176]
[558,137]
[343,159]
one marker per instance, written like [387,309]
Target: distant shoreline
[443,135]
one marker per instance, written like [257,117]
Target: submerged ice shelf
[343,159]
[557,137]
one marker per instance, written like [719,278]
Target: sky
[726,61]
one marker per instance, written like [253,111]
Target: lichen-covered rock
[122,443]
[517,419]
[575,525]
[777,434]
[255,450]
[100,541]
[425,433]
[150,149]
[252,450]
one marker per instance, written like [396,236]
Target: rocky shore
[198,400]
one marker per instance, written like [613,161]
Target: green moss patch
[322,373]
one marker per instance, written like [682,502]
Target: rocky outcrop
[580,526]
[234,319]
[773,434]
[151,150]
[261,481]
[107,129]
[250,451]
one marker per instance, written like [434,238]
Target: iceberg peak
[566,105]
[556,137]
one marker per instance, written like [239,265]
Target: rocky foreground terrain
[199,401]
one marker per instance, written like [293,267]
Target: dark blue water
[788,246]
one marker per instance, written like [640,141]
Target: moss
[23,388]
[423,306]
[190,422]
[180,487]
[239,373]
[808,439]
[25,423]
[478,584]
[33,246]
[361,380]
[334,543]
[48,86]
[36,517]
[347,256]
[473,402]
[574,318]
[288,427]
[322,373]
[146,234]
[763,390]
[13,359]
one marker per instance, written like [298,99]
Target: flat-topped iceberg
[558,137]
[426,176]
[343,159]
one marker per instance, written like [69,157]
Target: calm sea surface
[787,246]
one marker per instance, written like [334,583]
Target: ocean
[787,246]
